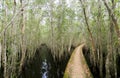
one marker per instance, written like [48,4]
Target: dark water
[42,65]
[44,70]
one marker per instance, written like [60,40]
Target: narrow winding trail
[77,66]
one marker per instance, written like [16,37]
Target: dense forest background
[60,24]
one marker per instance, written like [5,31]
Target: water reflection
[42,65]
[44,69]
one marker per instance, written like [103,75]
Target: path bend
[77,66]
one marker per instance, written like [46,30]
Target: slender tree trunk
[107,66]
[70,44]
[23,49]
[90,33]
[13,32]
[60,26]
[4,55]
[4,45]
[0,54]
[51,24]
[115,62]
[13,44]
[114,20]
[99,23]
[111,53]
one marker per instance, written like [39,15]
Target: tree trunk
[113,18]
[52,27]
[4,54]
[23,49]
[14,48]
[90,33]
[99,23]
[0,54]
[111,52]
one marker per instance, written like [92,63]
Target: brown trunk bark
[90,33]
[111,52]
[114,20]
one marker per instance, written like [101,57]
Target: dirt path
[77,66]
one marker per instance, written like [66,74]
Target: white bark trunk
[23,47]
[4,56]
[70,43]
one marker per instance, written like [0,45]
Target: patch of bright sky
[68,2]
[43,22]
[56,1]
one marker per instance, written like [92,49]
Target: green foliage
[41,1]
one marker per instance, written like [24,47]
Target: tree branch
[90,33]
[114,20]
[13,18]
